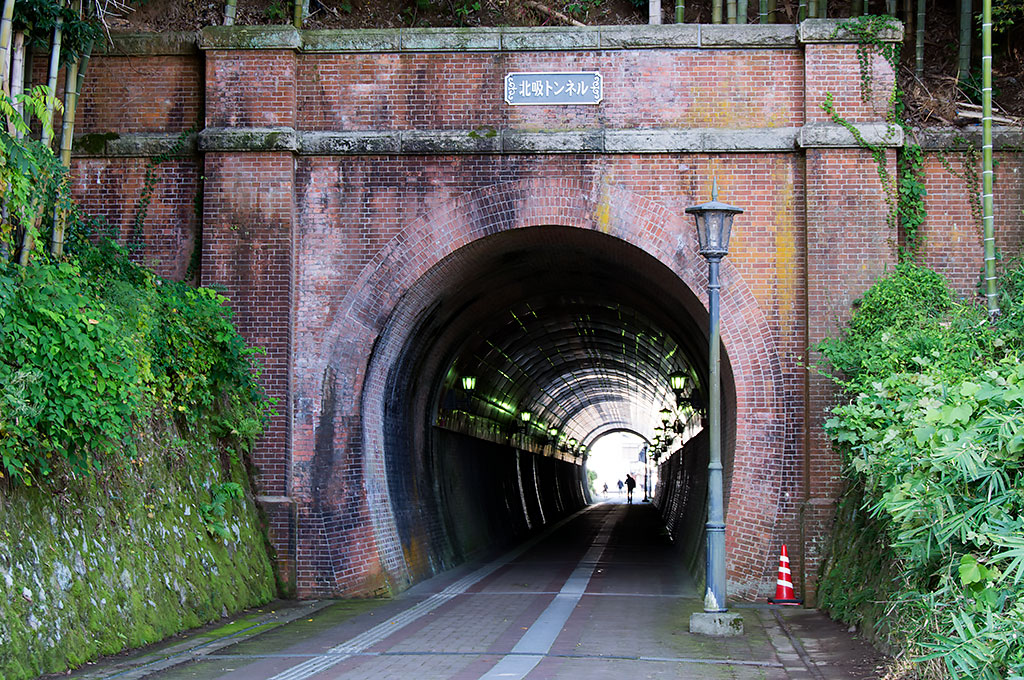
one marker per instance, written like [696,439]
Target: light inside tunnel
[573,366]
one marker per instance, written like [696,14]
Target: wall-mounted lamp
[469,382]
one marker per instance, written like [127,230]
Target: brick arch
[352,376]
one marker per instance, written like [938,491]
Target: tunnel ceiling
[576,328]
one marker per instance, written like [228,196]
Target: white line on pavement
[537,641]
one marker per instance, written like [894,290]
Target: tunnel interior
[503,365]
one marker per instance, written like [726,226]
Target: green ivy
[136,239]
[906,199]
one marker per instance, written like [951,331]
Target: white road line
[349,648]
[537,641]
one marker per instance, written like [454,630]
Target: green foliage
[464,8]
[215,512]
[278,11]
[31,177]
[86,343]
[1005,14]
[38,18]
[933,435]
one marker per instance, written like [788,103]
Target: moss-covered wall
[860,573]
[123,558]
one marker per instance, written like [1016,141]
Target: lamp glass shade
[714,224]
[469,382]
[666,415]
[677,381]
[525,416]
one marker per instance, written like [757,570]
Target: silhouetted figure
[620,486]
[630,485]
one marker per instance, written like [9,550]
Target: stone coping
[491,141]
[504,39]
[1004,138]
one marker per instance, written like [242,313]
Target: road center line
[537,641]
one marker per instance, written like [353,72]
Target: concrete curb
[197,644]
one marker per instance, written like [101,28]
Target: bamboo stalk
[67,135]
[51,81]
[716,11]
[964,56]
[680,11]
[741,11]
[919,40]
[987,207]
[17,81]
[730,11]
[300,13]
[890,7]
[772,8]
[6,22]
[801,11]
[229,12]
[654,12]
[762,11]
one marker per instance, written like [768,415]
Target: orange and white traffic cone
[784,583]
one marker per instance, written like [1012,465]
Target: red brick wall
[315,253]
[111,188]
[141,94]
[849,244]
[247,255]
[952,231]
[464,91]
[250,89]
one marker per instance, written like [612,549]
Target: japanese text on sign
[584,87]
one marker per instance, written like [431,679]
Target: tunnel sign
[525,89]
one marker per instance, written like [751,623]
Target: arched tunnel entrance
[506,360]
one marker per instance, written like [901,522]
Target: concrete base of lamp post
[717,624]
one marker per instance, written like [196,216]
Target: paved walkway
[600,596]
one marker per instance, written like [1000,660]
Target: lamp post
[714,222]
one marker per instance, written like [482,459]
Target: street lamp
[714,222]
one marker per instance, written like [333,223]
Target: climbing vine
[968,172]
[905,197]
[136,239]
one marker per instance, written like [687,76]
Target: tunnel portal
[517,352]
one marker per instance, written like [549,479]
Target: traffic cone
[784,583]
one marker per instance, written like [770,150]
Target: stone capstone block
[959,139]
[550,38]
[355,40]
[452,39]
[172,43]
[835,136]
[640,36]
[249,139]
[350,143]
[250,38]
[833,31]
[514,141]
[747,35]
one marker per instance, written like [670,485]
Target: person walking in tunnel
[630,485]
[620,486]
